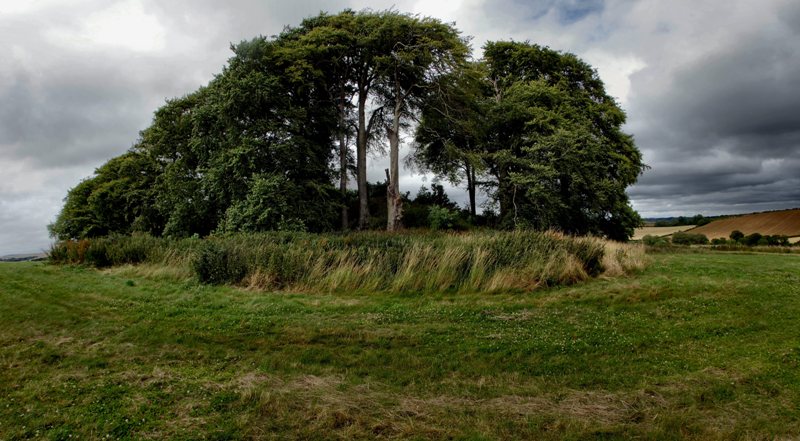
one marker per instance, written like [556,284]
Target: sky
[711,89]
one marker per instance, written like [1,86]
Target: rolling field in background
[639,233]
[786,223]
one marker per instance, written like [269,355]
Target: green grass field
[697,346]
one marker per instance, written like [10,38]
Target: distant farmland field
[785,223]
[659,231]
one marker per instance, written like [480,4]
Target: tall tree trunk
[361,161]
[503,192]
[393,200]
[471,188]
[343,162]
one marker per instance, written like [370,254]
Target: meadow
[699,345]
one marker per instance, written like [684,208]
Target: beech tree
[386,61]
[251,151]
[327,43]
[452,129]
[116,200]
[556,146]
[418,52]
[546,133]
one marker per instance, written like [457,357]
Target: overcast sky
[711,89]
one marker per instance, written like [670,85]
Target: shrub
[751,239]
[108,251]
[654,241]
[719,241]
[440,218]
[736,235]
[215,264]
[97,253]
[58,253]
[682,238]
[776,240]
[416,215]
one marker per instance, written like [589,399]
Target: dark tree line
[262,146]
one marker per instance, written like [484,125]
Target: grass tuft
[483,261]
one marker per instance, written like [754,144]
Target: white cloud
[123,25]
[615,71]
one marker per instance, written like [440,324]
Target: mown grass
[697,346]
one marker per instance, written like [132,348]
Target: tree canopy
[547,137]
[263,144]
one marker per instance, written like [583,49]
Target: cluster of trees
[736,238]
[754,239]
[697,219]
[263,144]
[684,238]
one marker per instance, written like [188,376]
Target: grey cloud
[715,110]
[725,127]
[78,105]
[575,10]
[753,89]
[63,124]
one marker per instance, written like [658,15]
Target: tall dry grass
[620,259]
[370,261]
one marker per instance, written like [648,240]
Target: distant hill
[22,257]
[677,221]
[785,222]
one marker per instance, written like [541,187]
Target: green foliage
[763,243]
[441,218]
[253,150]
[274,203]
[417,212]
[452,129]
[684,238]
[547,135]
[655,241]
[757,239]
[109,251]
[752,239]
[209,159]
[778,240]
[697,219]
[216,264]
[116,200]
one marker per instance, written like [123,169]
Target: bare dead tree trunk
[503,191]
[393,200]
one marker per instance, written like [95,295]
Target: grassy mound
[488,261]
